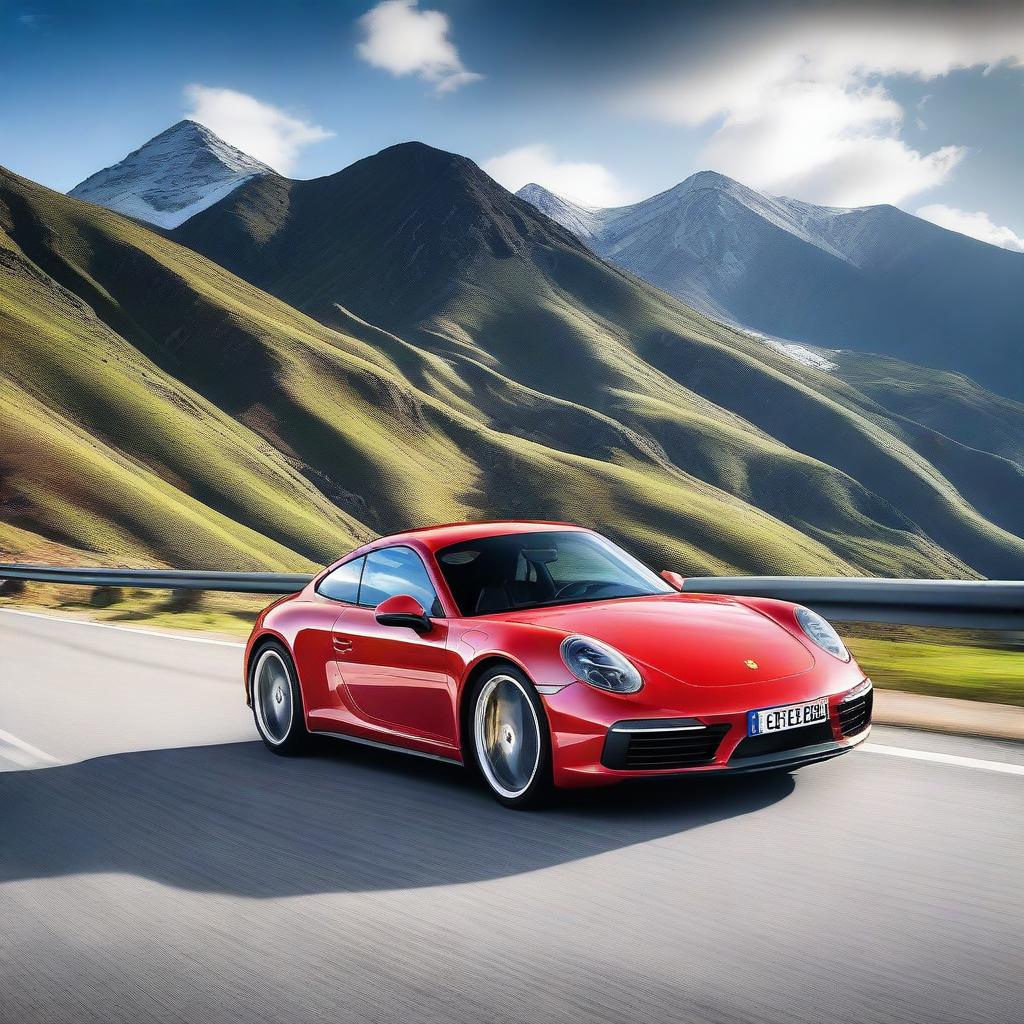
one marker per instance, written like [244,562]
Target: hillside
[106,453]
[546,342]
[161,409]
[873,279]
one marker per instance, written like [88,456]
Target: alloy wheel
[272,697]
[507,736]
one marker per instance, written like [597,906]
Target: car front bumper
[796,757]
[585,755]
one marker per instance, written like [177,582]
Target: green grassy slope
[535,336]
[951,404]
[104,452]
[164,409]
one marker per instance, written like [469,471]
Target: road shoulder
[949,715]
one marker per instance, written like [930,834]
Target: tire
[277,705]
[510,739]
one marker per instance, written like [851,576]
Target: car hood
[704,640]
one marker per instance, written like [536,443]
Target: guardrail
[160,579]
[985,604]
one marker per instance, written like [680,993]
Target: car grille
[855,715]
[789,739]
[649,750]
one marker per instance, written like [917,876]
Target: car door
[397,679]
[314,644]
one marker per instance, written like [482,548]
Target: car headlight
[602,666]
[821,633]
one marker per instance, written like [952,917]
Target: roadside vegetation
[227,615]
[972,664]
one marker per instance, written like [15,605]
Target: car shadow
[235,819]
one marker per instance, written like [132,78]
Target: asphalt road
[156,864]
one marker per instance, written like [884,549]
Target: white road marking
[123,629]
[20,752]
[954,759]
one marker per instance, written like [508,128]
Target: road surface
[156,864]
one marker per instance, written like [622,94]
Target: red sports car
[545,655]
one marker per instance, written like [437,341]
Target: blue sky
[845,104]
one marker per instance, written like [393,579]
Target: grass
[107,453]
[982,665]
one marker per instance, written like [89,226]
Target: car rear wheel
[277,701]
[510,738]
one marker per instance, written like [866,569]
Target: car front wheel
[510,738]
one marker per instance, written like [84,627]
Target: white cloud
[585,183]
[404,40]
[256,128]
[828,144]
[978,225]
[799,103]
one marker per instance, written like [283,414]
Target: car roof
[436,537]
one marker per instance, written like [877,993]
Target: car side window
[343,583]
[398,570]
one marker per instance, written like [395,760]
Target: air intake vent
[855,715]
[634,746]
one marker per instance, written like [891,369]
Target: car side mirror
[673,578]
[402,610]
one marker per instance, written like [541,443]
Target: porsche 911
[545,656]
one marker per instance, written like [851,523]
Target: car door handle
[342,644]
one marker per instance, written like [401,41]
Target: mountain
[176,174]
[490,307]
[160,409]
[108,456]
[405,342]
[872,279]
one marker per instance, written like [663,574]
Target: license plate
[789,716]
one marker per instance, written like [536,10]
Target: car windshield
[531,570]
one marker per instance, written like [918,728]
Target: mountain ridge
[873,279]
[461,269]
[245,435]
[404,342]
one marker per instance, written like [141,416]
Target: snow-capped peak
[176,174]
[710,179]
[711,217]
[583,221]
